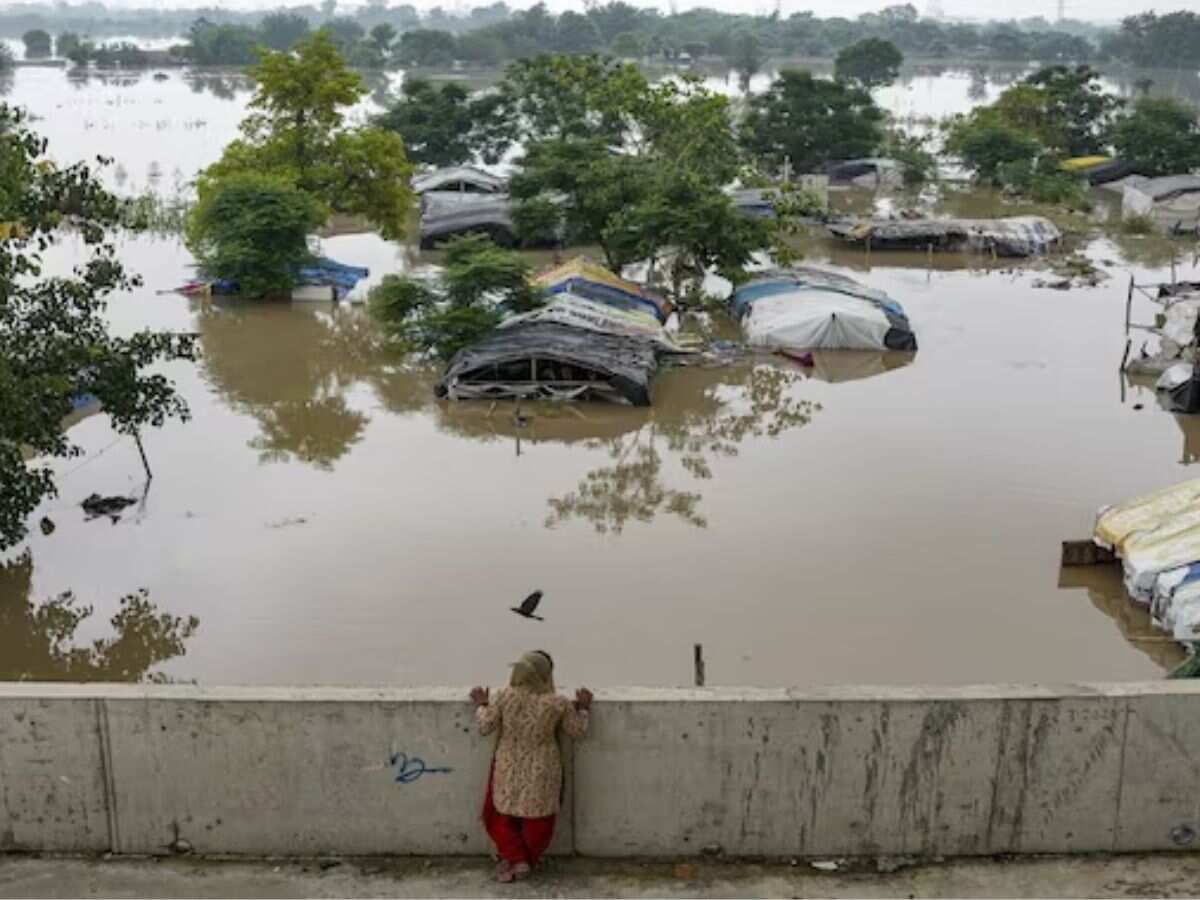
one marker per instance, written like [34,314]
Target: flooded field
[326,521]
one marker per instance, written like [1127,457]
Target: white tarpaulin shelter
[801,309]
[828,321]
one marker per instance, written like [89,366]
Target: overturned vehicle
[599,337]
[797,310]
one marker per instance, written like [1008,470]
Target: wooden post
[145,462]
[698,662]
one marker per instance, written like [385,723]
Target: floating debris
[111,507]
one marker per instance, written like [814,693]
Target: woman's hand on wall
[583,699]
[479,696]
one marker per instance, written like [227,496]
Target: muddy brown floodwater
[874,519]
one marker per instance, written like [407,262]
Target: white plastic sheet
[807,320]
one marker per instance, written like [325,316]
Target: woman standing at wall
[525,783]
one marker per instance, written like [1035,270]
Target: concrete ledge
[848,771]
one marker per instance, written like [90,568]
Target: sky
[1094,10]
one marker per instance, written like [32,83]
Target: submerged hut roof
[585,278]
[552,361]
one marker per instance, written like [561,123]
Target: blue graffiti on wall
[410,768]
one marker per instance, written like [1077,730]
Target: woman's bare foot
[504,871]
[521,871]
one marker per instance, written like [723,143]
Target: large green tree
[38,43]
[1160,137]
[297,131]
[635,168]
[809,122]
[55,344]
[252,228]
[442,125]
[869,64]
[281,29]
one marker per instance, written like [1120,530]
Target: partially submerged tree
[808,122]
[225,44]
[55,345]
[281,30]
[988,146]
[869,64]
[638,169]
[441,125]
[297,132]
[38,44]
[481,282]
[66,44]
[746,56]
[252,229]
[1160,137]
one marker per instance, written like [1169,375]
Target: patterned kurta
[528,773]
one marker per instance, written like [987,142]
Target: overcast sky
[1108,10]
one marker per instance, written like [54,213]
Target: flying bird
[529,605]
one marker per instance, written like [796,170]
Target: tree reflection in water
[37,641]
[291,368]
[753,402]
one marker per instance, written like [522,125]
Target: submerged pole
[1128,306]
[137,437]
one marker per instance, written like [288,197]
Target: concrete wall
[848,771]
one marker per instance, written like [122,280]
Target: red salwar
[517,840]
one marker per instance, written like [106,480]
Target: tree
[576,33]
[54,339]
[296,130]
[210,44]
[479,283]
[426,47]
[480,48]
[746,56]
[37,44]
[988,146]
[809,122]
[345,32]
[383,36]
[869,64]
[1160,137]
[252,229]
[67,44]
[628,45]
[281,30]
[440,125]
[7,62]
[637,169]
[1076,108]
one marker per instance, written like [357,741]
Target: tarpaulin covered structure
[799,309]
[1157,537]
[1018,236]
[459,179]
[548,360]
[584,278]
[323,279]
[590,315]
[444,217]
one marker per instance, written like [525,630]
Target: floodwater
[326,521]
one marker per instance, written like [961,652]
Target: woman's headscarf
[535,672]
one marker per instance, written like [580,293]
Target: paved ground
[1127,876]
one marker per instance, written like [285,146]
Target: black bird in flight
[529,605]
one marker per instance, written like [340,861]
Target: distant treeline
[378,35]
